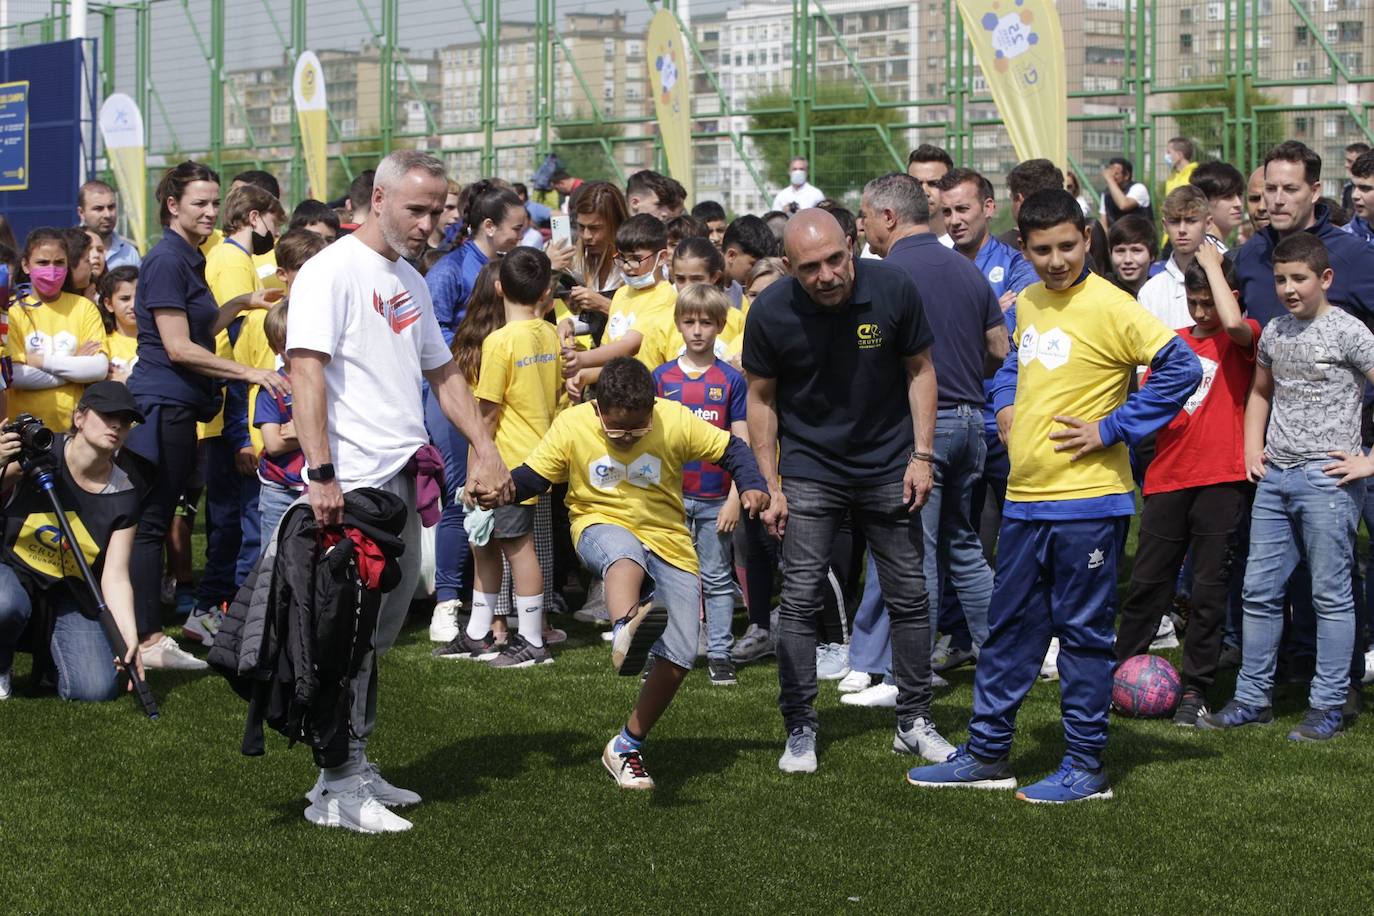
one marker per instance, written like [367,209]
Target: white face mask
[1169,159]
[798,177]
[646,279]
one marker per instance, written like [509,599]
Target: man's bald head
[818,255]
[1254,200]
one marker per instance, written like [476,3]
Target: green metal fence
[852,84]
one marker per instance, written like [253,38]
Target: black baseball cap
[110,398]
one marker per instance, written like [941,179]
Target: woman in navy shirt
[176,379]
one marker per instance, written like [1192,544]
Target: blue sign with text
[14,136]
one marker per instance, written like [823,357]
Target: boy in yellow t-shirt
[517,390]
[622,457]
[636,307]
[1063,411]
[56,338]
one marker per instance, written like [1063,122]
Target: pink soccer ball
[1146,687]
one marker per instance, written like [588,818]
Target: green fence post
[216,84]
[387,116]
[298,25]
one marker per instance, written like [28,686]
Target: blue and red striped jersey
[716,396]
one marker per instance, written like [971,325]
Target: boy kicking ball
[1062,410]
[622,457]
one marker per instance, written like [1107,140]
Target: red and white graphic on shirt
[400,311]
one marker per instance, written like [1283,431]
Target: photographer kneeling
[102,505]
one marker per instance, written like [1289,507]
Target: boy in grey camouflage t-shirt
[1302,450]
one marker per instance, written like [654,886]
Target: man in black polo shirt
[840,375]
[970,338]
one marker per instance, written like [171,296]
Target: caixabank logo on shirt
[606,473]
[41,547]
[1051,348]
[400,310]
[870,336]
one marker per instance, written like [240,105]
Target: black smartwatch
[322,474]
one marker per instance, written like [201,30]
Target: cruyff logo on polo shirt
[870,336]
[400,311]
[1051,348]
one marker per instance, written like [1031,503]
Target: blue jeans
[451,551]
[953,553]
[250,528]
[870,646]
[678,590]
[714,553]
[1300,513]
[80,651]
[273,501]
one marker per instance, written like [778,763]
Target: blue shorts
[676,589]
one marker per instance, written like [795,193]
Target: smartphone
[560,228]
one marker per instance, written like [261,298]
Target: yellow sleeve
[19,331]
[552,456]
[652,346]
[495,372]
[701,441]
[1138,335]
[229,274]
[252,349]
[91,326]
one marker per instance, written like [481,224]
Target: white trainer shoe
[6,683]
[922,738]
[167,655]
[626,769]
[1165,637]
[202,625]
[353,806]
[832,661]
[799,756]
[1368,667]
[389,795]
[443,623]
[1049,668]
[855,681]
[884,695]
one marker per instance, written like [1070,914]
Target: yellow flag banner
[1020,49]
[121,127]
[672,89]
[312,110]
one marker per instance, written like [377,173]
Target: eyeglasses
[631,262]
[621,434]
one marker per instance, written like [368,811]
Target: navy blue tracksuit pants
[1054,578]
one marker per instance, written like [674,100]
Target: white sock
[531,612]
[483,612]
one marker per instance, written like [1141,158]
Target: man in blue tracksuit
[1063,413]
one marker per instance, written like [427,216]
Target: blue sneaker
[1070,783]
[1319,725]
[1236,714]
[964,770]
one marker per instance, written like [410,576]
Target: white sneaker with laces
[353,805]
[167,655]
[626,769]
[799,756]
[855,681]
[6,683]
[443,623]
[832,661]
[202,625]
[922,738]
[884,695]
[1165,636]
[1049,668]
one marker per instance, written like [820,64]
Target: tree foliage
[1208,131]
[579,149]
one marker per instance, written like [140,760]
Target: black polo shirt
[172,276]
[843,414]
[960,307]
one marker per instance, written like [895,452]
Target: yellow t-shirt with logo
[59,327]
[663,342]
[1078,349]
[123,350]
[637,488]
[521,372]
[252,349]
[637,310]
[229,272]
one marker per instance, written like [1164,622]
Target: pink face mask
[48,280]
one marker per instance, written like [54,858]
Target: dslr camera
[35,439]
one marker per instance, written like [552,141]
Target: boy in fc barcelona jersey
[1063,411]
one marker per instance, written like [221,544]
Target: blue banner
[14,136]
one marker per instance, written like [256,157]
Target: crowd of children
[1226,385]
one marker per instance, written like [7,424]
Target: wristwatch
[322,474]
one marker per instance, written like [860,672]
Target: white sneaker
[855,681]
[799,756]
[878,695]
[626,769]
[755,644]
[6,683]
[167,655]
[832,661]
[443,623]
[389,795]
[1368,667]
[202,625]
[1049,668]
[922,738]
[353,806]
[1165,636]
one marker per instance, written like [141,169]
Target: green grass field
[102,809]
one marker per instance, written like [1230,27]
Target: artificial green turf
[102,809]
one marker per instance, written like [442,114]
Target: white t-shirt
[1164,297]
[375,320]
[808,195]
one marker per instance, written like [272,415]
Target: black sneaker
[722,671]
[1318,725]
[1190,708]
[520,653]
[470,650]
[1354,705]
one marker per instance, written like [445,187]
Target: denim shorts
[676,589]
[512,521]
